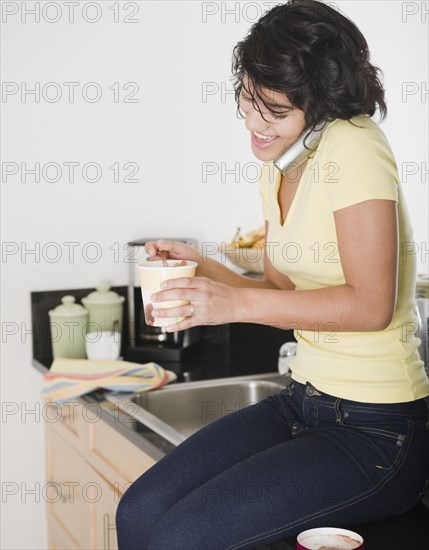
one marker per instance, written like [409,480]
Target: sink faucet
[286,352]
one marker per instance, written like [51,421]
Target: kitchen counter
[229,350]
[239,356]
[408,531]
[151,443]
[148,441]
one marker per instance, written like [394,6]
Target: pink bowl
[329,538]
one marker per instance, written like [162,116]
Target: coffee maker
[148,343]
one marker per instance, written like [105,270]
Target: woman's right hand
[176,250]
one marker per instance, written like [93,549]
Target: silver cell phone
[298,152]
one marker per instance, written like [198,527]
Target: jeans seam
[332,509]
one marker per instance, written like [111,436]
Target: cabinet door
[68,420]
[105,497]
[65,494]
[114,457]
[89,467]
[58,537]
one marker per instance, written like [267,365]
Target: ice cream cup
[151,276]
[329,538]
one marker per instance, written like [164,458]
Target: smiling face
[271,135]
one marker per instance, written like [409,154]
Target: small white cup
[103,345]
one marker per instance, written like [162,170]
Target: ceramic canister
[68,323]
[105,309]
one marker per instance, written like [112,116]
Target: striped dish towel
[71,378]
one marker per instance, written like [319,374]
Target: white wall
[169,133]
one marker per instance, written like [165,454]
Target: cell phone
[296,153]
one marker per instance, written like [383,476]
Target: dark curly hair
[315,56]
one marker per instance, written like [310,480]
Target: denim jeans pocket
[384,438]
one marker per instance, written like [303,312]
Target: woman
[347,441]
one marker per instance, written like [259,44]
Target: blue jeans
[296,460]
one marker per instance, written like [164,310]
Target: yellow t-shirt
[352,163]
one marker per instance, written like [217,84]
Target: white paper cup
[151,276]
[329,538]
[103,345]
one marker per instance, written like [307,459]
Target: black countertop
[228,350]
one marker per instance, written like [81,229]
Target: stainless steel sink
[177,411]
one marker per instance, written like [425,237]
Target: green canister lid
[103,295]
[68,308]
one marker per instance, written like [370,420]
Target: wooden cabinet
[89,467]
[67,506]
[103,515]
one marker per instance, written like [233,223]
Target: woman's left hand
[210,302]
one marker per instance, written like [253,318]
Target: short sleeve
[358,164]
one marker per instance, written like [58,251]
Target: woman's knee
[137,502]
[127,509]
[174,535]
[190,525]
